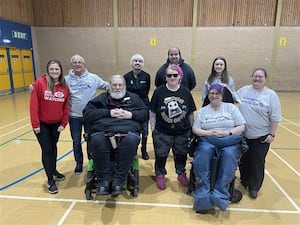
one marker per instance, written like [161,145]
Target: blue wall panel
[15,35]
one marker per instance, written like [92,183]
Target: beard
[117,94]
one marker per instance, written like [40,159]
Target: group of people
[117,121]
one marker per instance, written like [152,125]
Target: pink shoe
[160,182]
[183,180]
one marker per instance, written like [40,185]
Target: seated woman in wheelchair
[219,126]
[115,120]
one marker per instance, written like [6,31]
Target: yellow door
[27,64]
[4,72]
[16,66]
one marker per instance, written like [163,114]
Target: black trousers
[48,138]
[252,163]
[112,166]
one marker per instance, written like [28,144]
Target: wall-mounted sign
[153,41]
[282,41]
[19,35]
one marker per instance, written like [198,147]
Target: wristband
[230,133]
[273,135]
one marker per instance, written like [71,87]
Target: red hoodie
[49,106]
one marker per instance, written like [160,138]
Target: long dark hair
[213,74]
[50,81]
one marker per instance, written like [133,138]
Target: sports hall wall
[244,49]
[248,33]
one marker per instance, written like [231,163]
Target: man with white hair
[138,81]
[115,119]
[83,86]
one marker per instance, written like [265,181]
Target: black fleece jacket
[96,114]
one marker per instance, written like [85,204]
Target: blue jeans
[227,148]
[113,165]
[76,124]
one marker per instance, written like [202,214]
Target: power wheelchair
[235,194]
[132,183]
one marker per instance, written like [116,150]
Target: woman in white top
[219,126]
[260,106]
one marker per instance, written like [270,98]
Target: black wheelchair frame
[132,183]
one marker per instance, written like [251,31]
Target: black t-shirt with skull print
[172,109]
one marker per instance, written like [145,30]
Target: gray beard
[117,95]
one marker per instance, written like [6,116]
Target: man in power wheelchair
[115,120]
[219,127]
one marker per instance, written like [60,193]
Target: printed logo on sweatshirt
[174,109]
[80,86]
[55,97]
[253,101]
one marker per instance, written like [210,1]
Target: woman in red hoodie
[49,114]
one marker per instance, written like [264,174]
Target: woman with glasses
[219,126]
[171,118]
[261,109]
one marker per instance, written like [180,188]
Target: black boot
[145,155]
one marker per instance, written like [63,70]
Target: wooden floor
[24,199]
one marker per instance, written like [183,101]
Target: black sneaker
[52,189]
[59,176]
[145,155]
[78,169]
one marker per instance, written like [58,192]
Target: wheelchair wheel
[236,196]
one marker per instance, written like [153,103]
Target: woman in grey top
[260,106]
[219,75]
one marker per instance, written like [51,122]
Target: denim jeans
[76,124]
[228,151]
[113,165]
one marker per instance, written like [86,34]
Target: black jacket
[189,79]
[139,85]
[96,114]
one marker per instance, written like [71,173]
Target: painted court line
[289,130]
[32,173]
[12,131]
[279,211]
[291,122]
[10,124]
[285,162]
[62,220]
[283,191]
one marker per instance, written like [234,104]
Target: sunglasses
[172,75]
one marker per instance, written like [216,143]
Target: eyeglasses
[214,93]
[172,75]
